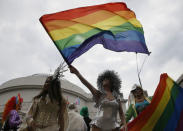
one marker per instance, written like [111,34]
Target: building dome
[38,80]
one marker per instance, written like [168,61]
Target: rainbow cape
[113,25]
[165,113]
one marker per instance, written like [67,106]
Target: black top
[87,121]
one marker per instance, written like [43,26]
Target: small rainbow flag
[113,25]
[165,113]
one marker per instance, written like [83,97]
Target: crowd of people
[50,111]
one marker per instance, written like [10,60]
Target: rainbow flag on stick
[113,25]
[165,113]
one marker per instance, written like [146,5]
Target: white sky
[26,49]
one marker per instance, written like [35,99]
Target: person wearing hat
[85,114]
[140,102]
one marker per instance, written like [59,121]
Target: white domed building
[30,86]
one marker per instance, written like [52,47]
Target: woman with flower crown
[49,109]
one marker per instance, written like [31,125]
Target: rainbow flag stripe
[165,113]
[113,25]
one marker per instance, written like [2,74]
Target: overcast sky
[26,49]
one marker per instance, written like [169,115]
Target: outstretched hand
[73,69]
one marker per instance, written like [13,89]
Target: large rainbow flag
[113,25]
[165,113]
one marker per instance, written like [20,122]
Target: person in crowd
[11,119]
[85,114]
[107,99]
[49,109]
[140,102]
[76,122]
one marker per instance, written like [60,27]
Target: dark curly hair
[114,79]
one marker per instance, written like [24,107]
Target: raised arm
[83,80]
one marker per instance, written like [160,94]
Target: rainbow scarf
[165,113]
[113,25]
